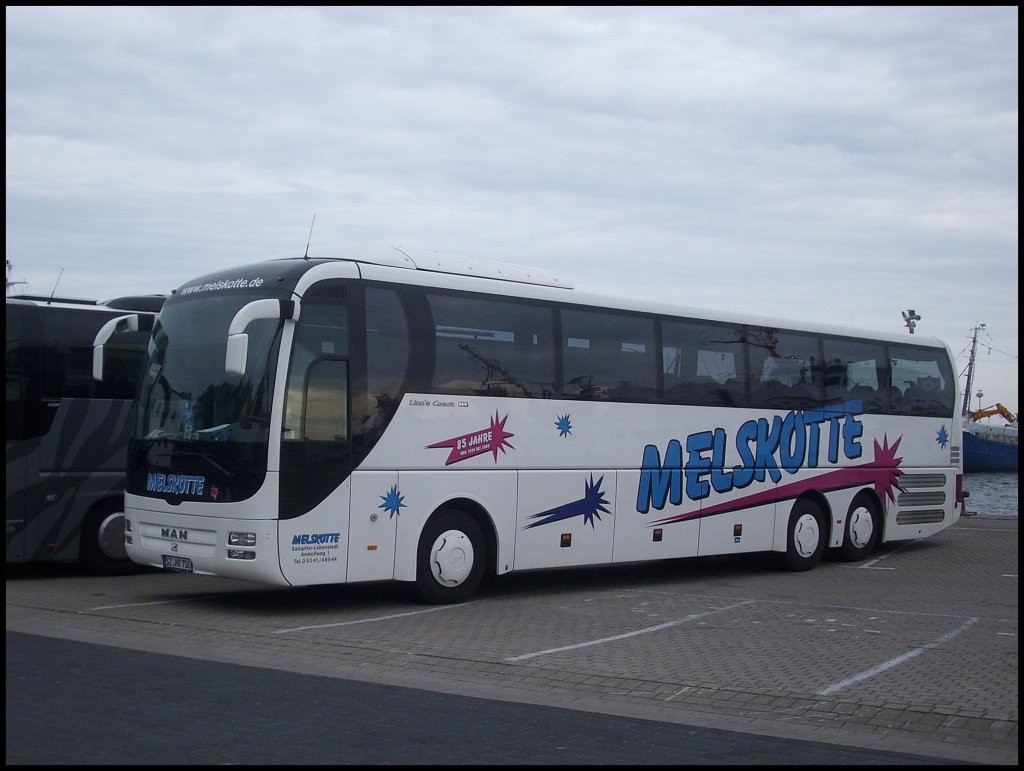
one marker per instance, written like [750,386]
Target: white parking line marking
[647,630]
[370,620]
[898,660]
[139,604]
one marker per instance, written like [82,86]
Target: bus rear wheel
[860,535]
[451,558]
[101,549]
[806,536]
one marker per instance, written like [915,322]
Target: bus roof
[36,299]
[436,262]
[141,303]
[538,284]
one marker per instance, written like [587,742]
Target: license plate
[180,564]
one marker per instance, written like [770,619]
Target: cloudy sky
[840,164]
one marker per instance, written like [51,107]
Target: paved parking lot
[914,650]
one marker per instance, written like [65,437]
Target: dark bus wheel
[101,550]
[451,558]
[863,527]
[806,536]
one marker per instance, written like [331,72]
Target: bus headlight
[241,539]
[241,554]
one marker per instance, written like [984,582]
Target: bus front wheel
[451,558]
[101,549]
[806,536]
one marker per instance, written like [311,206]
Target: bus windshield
[195,422]
[187,395]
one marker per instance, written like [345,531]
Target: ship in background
[987,446]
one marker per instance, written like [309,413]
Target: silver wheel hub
[452,558]
[806,535]
[862,527]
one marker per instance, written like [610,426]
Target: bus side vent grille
[925,498]
[919,496]
[922,517]
[328,290]
[918,481]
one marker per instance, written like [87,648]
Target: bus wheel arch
[101,548]
[454,553]
[863,528]
[807,533]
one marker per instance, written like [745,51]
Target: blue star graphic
[392,501]
[563,425]
[589,507]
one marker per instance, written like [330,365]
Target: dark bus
[67,433]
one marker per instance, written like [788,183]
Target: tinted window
[608,356]
[786,369]
[492,347]
[320,336]
[857,370]
[49,358]
[387,353]
[924,379]
[704,363]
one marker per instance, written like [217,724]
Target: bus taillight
[960,494]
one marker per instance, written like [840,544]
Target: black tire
[101,548]
[862,530]
[451,558]
[806,536]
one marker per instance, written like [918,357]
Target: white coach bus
[381,416]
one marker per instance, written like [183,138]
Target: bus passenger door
[316,460]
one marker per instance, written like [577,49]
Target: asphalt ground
[908,657]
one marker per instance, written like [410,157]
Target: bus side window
[791,375]
[608,356]
[856,371]
[703,363]
[925,377]
[387,356]
[491,347]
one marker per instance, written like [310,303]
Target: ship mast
[970,370]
